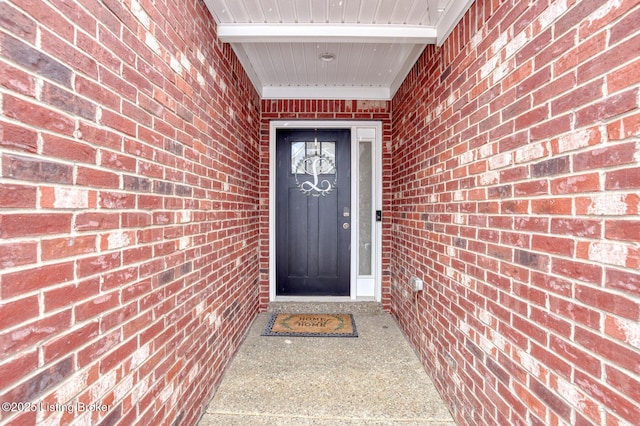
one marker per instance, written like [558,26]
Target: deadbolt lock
[345,226]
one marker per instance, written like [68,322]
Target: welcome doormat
[311,325]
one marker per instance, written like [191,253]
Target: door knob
[345,226]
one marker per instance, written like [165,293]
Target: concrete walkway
[374,379]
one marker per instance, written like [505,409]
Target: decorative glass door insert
[318,160]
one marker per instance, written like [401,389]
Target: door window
[365,210]
[314,166]
[302,153]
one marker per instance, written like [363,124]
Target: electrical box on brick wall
[416,284]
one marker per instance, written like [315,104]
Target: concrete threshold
[374,379]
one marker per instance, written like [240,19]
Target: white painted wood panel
[376,42]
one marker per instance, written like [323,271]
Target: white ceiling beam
[337,33]
[327,92]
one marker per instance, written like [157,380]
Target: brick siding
[515,186]
[129,143]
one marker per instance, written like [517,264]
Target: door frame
[367,288]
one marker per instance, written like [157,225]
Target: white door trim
[354,126]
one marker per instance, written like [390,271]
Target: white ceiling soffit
[375,43]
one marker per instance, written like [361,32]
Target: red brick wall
[278,109]
[516,183]
[129,142]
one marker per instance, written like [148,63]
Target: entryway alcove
[139,219]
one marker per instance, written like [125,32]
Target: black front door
[313,212]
